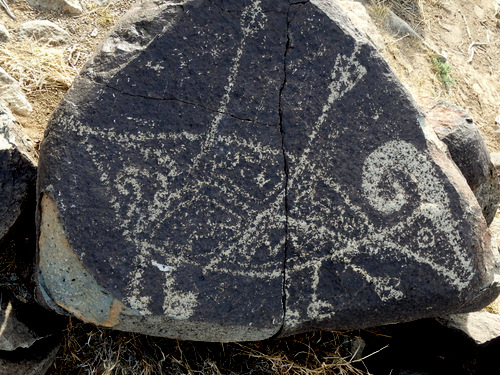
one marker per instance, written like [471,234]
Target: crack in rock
[188,103]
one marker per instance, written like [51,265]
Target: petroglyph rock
[17,170]
[198,250]
[456,129]
[240,169]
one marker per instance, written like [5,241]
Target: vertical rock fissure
[285,161]
[289,20]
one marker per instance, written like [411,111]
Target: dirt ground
[46,72]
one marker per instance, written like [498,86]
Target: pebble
[4,34]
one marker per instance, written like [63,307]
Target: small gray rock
[30,336]
[23,324]
[400,27]
[495,159]
[101,3]
[4,34]
[44,31]
[481,326]
[17,170]
[15,334]
[62,6]
[358,345]
[12,96]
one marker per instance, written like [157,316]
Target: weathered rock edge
[467,149]
[18,170]
[54,239]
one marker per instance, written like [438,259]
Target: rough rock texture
[32,361]
[372,215]
[44,31]
[481,326]
[22,324]
[4,34]
[356,11]
[12,96]
[198,250]
[14,334]
[63,6]
[17,170]
[234,170]
[468,150]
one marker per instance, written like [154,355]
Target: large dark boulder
[233,170]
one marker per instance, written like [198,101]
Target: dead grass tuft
[411,11]
[91,350]
[379,11]
[37,66]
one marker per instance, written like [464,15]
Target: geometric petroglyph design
[126,189]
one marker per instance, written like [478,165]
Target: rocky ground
[444,49]
[46,69]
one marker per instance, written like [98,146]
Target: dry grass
[411,11]
[494,307]
[91,350]
[37,66]
[46,72]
